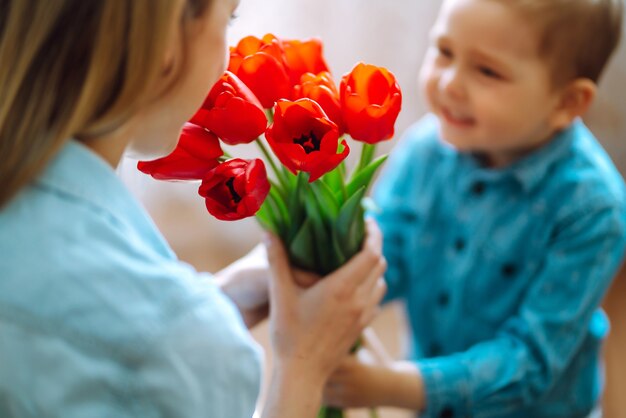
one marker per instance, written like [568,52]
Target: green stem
[342,184]
[373,413]
[367,153]
[283,182]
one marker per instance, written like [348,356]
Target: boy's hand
[360,380]
[372,379]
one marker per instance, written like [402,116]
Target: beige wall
[388,33]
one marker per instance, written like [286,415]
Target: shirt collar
[532,169]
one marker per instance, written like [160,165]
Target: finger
[368,316]
[373,279]
[374,236]
[282,278]
[373,310]
[380,291]
[359,268]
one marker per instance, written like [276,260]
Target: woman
[97,316]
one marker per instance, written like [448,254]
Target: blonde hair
[74,68]
[577,37]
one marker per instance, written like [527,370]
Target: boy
[504,219]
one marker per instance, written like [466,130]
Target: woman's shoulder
[74,268]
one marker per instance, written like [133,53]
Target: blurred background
[392,34]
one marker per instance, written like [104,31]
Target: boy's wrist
[404,387]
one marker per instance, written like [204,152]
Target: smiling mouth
[456,119]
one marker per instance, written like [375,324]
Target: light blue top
[502,271]
[98,318]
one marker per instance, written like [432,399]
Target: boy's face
[483,77]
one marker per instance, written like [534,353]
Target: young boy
[504,219]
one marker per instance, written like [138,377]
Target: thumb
[282,281]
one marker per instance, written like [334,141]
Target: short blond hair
[577,37]
[76,68]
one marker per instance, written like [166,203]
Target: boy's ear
[575,100]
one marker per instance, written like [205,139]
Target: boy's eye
[488,72]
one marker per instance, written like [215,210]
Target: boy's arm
[533,348]
[406,172]
[359,383]
[372,378]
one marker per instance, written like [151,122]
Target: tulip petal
[266,77]
[196,153]
[370,102]
[235,189]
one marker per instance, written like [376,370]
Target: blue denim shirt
[98,318]
[502,271]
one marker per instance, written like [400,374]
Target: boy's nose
[451,83]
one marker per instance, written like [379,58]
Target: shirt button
[459,244]
[509,270]
[443,299]
[397,239]
[408,216]
[478,188]
[435,350]
[446,412]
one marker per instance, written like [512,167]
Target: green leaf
[330,412]
[338,251]
[295,206]
[333,179]
[327,201]
[265,216]
[283,213]
[363,177]
[302,247]
[350,225]
[323,253]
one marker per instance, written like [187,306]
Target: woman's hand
[313,328]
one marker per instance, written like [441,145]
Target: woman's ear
[575,100]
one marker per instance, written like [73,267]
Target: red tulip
[196,153]
[321,88]
[304,139]
[260,64]
[235,189]
[232,112]
[371,100]
[303,57]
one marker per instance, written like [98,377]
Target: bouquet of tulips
[280,94]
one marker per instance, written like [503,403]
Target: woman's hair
[577,37]
[75,68]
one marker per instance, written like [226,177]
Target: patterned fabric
[98,318]
[502,271]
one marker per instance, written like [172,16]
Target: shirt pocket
[495,283]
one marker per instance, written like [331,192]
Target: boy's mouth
[456,119]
